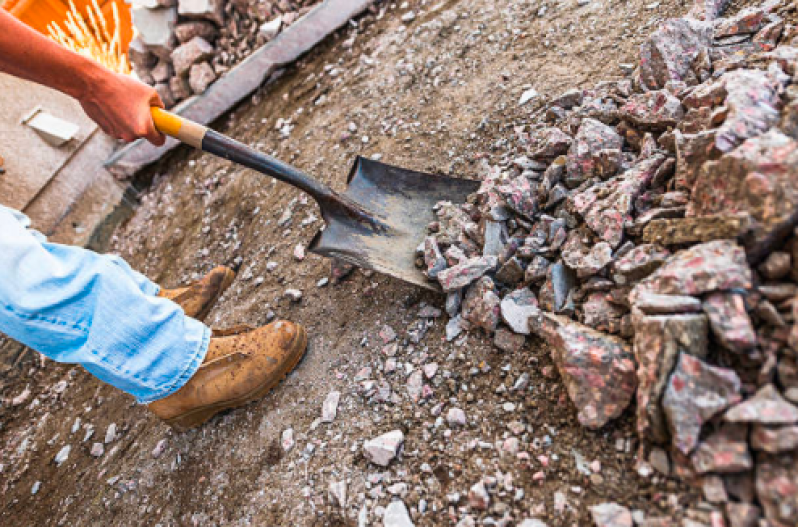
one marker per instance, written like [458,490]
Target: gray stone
[384,449]
[611,515]
[192,52]
[195,28]
[516,309]
[201,76]
[156,29]
[397,515]
[212,10]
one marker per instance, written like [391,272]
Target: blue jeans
[77,306]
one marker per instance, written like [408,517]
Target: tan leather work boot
[198,298]
[237,369]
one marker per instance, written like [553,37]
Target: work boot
[198,298]
[237,369]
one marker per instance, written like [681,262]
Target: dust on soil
[438,95]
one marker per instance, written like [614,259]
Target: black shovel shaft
[232,150]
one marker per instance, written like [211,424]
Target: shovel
[377,223]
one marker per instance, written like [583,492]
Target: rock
[749,20]
[583,155]
[776,266]
[777,488]
[337,491]
[774,440]
[757,178]
[330,407]
[654,110]
[201,76]
[384,449]
[159,449]
[433,259]
[62,455]
[678,231]
[461,275]
[287,439]
[695,393]
[659,460]
[156,29]
[97,450]
[714,491]
[611,515]
[195,28]
[713,266]
[294,295]
[725,451]
[162,71]
[516,309]
[478,497]
[518,195]
[532,522]
[677,51]
[607,206]
[586,258]
[511,273]
[598,370]
[508,341]
[415,385]
[638,263]
[271,28]
[654,304]
[456,417]
[752,101]
[743,514]
[165,93]
[767,407]
[180,88]
[527,96]
[481,306]
[657,343]
[397,515]
[708,9]
[192,52]
[550,143]
[212,10]
[601,314]
[692,151]
[729,321]
[557,293]
[453,328]
[110,433]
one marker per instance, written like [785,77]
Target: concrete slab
[244,79]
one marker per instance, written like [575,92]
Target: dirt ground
[439,93]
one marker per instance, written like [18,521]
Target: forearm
[28,54]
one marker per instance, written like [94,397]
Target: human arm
[119,104]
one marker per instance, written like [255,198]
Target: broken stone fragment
[467,272]
[713,266]
[517,308]
[592,137]
[511,273]
[397,515]
[195,28]
[776,266]
[723,452]
[654,110]
[433,259]
[638,263]
[729,321]
[774,440]
[752,101]
[481,306]
[584,257]
[747,21]
[384,449]
[708,10]
[692,151]
[777,488]
[508,341]
[677,51]
[767,407]
[657,343]
[557,292]
[757,178]
[598,370]
[201,76]
[607,206]
[478,497]
[155,28]
[601,314]
[611,515]
[536,270]
[180,88]
[568,100]
[696,230]
[519,195]
[654,304]
[330,407]
[495,238]
[695,393]
[212,10]
[550,143]
[192,52]
[743,514]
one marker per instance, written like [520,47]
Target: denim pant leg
[77,306]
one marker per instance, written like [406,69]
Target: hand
[120,105]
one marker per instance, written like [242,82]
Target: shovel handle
[207,140]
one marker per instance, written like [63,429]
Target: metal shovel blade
[401,201]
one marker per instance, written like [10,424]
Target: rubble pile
[183,46]
[647,234]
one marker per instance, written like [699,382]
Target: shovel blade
[401,201]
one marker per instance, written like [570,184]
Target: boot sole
[229,277]
[201,415]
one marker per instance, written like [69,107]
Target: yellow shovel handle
[178,127]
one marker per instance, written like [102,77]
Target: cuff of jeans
[198,356]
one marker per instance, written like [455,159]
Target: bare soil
[437,94]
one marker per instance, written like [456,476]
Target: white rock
[415,384]
[516,311]
[384,449]
[408,17]
[97,450]
[478,497]
[159,449]
[110,433]
[287,439]
[330,407]
[62,455]
[338,492]
[397,515]
[527,96]
[532,522]
[430,370]
[456,417]
[212,10]
[156,27]
[295,295]
[36,487]
[271,28]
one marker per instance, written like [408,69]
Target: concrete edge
[243,79]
